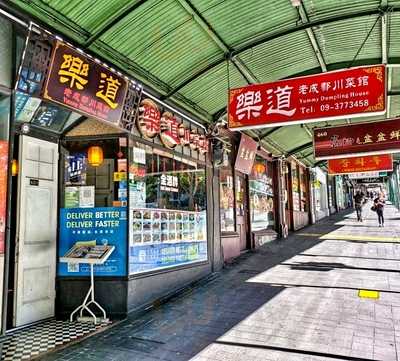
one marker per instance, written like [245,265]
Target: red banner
[246,154]
[333,95]
[83,85]
[353,140]
[369,163]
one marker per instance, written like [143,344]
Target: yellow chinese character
[368,139]
[360,161]
[73,70]
[345,163]
[108,90]
[381,137]
[395,134]
[376,159]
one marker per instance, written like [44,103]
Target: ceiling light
[296,3]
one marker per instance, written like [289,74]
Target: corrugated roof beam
[310,32]
[200,20]
[384,32]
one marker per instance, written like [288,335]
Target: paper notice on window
[86,196]
[139,155]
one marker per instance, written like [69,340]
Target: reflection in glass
[261,195]
[168,210]
[226,201]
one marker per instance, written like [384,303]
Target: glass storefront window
[4,125]
[261,195]
[5,52]
[227,201]
[167,197]
[94,212]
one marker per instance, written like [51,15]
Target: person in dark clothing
[358,202]
[379,204]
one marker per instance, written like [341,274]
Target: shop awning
[181,47]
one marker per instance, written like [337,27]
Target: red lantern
[95,156]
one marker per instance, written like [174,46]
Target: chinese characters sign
[383,162]
[351,140]
[84,85]
[169,183]
[151,123]
[246,154]
[344,93]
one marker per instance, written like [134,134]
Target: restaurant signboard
[338,94]
[151,123]
[82,84]
[369,163]
[246,154]
[353,140]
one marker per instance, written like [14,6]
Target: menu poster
[88,252]
[3,191]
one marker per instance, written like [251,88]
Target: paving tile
[241,316]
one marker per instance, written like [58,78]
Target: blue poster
[102,226]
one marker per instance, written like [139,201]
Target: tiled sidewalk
[295,299]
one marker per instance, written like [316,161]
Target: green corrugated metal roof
[270,61]
[180,47]
[353,33]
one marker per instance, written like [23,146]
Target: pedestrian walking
[379,204]
[358,202]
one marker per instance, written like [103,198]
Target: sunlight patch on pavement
[348,237]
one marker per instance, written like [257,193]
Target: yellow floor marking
[309,234]
[350,237]
[360,238]
[368,294]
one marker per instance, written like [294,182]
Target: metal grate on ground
[30,342]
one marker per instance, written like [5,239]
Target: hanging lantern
[14,167]
[95,156]
[259,168]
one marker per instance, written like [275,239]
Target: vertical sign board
[3,191]
[97,226]
[246,154]
[84,85]
[332,95]
[371,163]
[352,140]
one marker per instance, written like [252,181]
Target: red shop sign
[369,163]
[333,95]
[151,123]
[246,154]
[353,140]
[83,85]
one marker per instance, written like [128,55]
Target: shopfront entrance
[242,211]
[35,257]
